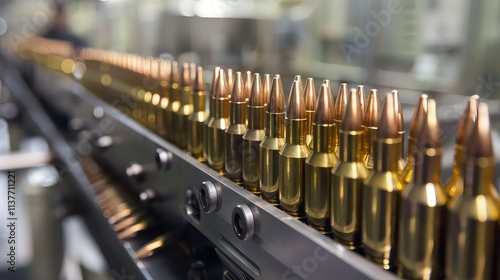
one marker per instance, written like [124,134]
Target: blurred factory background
[445,48]
[436,45]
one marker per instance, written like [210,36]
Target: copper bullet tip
[324,107]
[277,98]
[192,67]
[186,75]
[399,110]
[329,87]
[429,135]
[248,84]
[372,110]
[257,97]
[199,80]
[174,74]
[267,87]
[296,108]
[215,77]
[340,103]
[388,122]
[221,89]
[480,141]
[230,79]
[353,117]
[362,97]
[310,95]
[467,121]
[238,93]
[165,70]
[418,116]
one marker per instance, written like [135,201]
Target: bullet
[415,126]
[423,207]
[186,107]
[237,128]
[230,81]
[381,196]
[319,164]
[298,78]
[310,104]
[362,96]
[338,114]
[218,123]
[254,135]
[173,104]
[266,86]
[370,124]
[211,108]
[401,129]
[454,186]
[473,216]
[199,116]
[273,142]
[248,84]
[164,80]
[348,176]
[293,156]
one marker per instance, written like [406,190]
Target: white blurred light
[3,26]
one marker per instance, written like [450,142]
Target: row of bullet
[339,163]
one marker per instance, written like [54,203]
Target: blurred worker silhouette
[59,29]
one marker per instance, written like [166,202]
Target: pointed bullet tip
[418,116]
[238,93]
[174,74]
[467,120]
[248,84]
[324,108]
[296,108]
[221,89]
[310,95]
[186,75]
[277,98]
[372,110]
[257,97]
[199,80]
[387,123]
[399,110]
[267,87]
[481,142]
[341,102]
[353,117]
[429,135]
[215,78]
